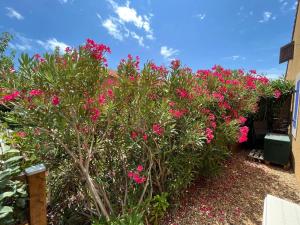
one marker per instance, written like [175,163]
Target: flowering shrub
[122,137]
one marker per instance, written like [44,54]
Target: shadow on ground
[236,196]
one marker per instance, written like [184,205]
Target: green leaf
[5,210]
[13,159]
[6,195]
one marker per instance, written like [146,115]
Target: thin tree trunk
[96,196]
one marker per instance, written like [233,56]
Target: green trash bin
[277,148]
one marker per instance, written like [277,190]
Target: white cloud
[167,53]
[267,16]
[201,16]
[12,13]
[52,43]
[235,57]
[117,25]
[129,15]
[113,28]
[138,38]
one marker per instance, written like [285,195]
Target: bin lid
[278,137]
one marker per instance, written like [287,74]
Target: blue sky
[233,33]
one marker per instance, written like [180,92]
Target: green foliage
[6,61]
[133,218]
[158,207]
[13,192]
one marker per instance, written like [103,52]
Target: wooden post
[36,181]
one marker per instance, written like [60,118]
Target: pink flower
[68,49]
[140,168]
[253,71]
[110,93]
[211,117]
[110,81]
[37,56]
[140,180]
[182,93]
[171,104]
[177,113]
[95,114]
[263,80]
[35,92]
[135,176]
[101,99]
[134,135]
[131,78]
[21,134]
[218,96]
[145,137]
[209,135]
[157,129]
[175,64]
[55,100]
[130,174]
[213,125]
[11,97]
[250,82]
[242,119]
[277,94]
[243,134]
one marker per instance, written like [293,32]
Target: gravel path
[236,196]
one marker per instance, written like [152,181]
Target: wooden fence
[35,177]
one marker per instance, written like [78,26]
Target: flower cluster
[135,175]
[157,129]
[243,134]
[209,135]
[10,97]
[97,50]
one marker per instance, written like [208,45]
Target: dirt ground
[236,196]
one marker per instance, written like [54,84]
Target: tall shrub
[115,139]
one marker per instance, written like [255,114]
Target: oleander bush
[120,144]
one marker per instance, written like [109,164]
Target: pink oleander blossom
[277,94]
[21,134]
[133,135]
[218,96]
[209,135]
[157,129]
[145,137]
[11,97]
[95,114]
[243,134]
[182,93]
[175,64]
[36,92]
[172,104]
[177,113]
[140,168]
[101,99]
[55,100]
[110,93]
[242,120]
